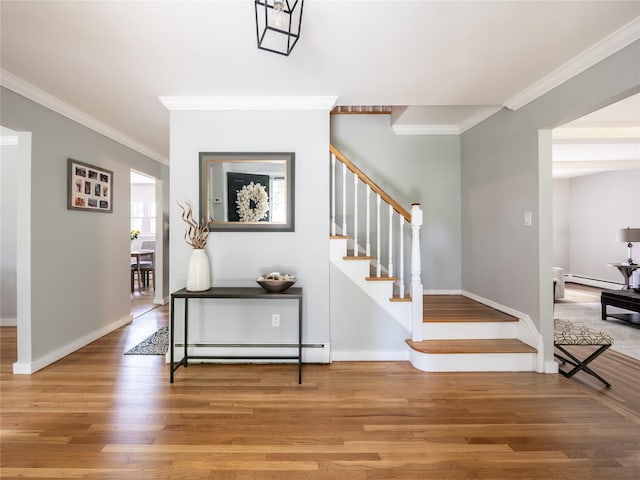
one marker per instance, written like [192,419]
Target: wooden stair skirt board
[490,355]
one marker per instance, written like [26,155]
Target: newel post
[416,274]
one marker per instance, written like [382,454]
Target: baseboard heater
[252,345]
[592,282]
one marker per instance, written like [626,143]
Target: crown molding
[426,129]
[596,133]
[609,45]
[472,121]
[597,164]
[250,103]
[21,87]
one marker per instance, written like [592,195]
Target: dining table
[138,254]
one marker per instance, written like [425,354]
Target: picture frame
[248,191]
[89,187]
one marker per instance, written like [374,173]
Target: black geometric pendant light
[278,24]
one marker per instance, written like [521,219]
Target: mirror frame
[289,166]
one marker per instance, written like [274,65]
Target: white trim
[369,356]
[442,292]
[597,164]
[48,359]
[426,129]
[21,87]
[9,140]
[609,45]
[472,121]
[250,103]
[8,322]
[589,135]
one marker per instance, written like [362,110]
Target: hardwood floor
[99,414]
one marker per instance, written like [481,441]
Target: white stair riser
[379,291]
[473,362]
[469,330]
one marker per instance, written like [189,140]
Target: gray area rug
[626,336]
[156,344]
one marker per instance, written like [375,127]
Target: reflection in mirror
[247,191]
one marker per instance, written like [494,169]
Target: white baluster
[390,241]
[368,232]
[344,199]
[401,277]
[416,280]
[378,266]
[333,194]
[355,215]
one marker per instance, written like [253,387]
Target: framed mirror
[248,191]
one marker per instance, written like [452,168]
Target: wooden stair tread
[359,257]
[396,298]
[340,237]
[471,346]
[381,279]
[458,308]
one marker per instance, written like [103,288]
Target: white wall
[413,168]
[589,210]
[237,258]
[78,289]
[561,223]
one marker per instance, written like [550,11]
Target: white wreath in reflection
[252,195]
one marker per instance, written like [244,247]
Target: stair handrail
[367,181]
[414,219]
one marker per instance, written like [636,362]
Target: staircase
[465,335]
[447,332]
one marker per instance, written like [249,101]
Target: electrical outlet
[527,219]
[275,320]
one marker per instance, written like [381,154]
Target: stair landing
[457,308]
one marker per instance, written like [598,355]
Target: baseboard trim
[8,322]
[442,292]
[29,368]
[369,356]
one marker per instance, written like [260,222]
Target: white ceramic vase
[198,273]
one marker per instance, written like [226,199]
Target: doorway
[145,243]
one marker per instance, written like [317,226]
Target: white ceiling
[108,62]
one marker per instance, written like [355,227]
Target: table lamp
[629,235]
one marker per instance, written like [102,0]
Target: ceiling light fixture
[278,24]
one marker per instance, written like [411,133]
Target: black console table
[627,299]
[239,293]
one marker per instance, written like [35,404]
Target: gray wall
[500,181]
[80,265]
[423,169]
[597,205]
[238,258]
[8,228]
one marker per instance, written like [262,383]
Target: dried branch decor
[198,232]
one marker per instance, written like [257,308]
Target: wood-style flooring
[99,414]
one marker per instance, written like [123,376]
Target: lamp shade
[628,235]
